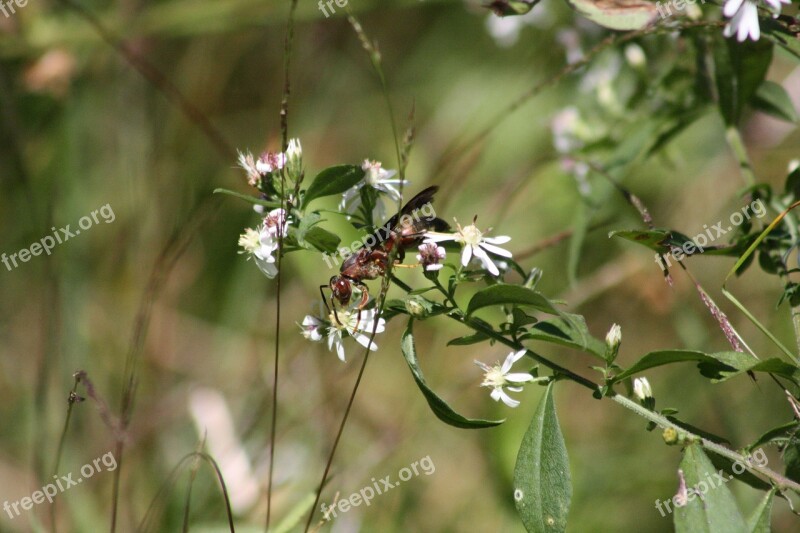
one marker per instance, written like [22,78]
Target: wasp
[405,229]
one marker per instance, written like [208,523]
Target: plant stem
[734,139]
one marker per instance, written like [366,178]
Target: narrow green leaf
[468,339]
[443,412]
[773,99]
[740,69]
[744,476]
[666,357]
[779,435]
[510,294]
[333,180]
[321,239]
[247,198]
[759,521]
[570,331]
[710,507]
[542,484]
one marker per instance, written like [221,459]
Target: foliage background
[81,128]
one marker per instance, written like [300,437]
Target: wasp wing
[411,222]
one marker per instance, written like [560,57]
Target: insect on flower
[405,229]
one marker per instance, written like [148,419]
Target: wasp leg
[324,300]
[361,304]
[401,265]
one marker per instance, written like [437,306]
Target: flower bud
[294,159]
[613,339]
[641,389]
[416,307]
[670,436]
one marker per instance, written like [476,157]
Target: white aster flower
[744,17]
[276,221]
[475,244]
[270,162]
[499,377]
[312,328]
[248,164]
[378,178]
[260,245]
[431,255]
[349,324]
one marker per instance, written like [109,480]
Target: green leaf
[616,14]
[510,294]
[779,435]
[333,180]
[570,331]
[542,485]
[772,366]
[773,100]
[759,521]
[443,412]
[468,339]
[711,511]
[791,458]
[740,71]
[667,357]
[247,198]
[322,239]
[779,32]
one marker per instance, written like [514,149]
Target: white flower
[294,158]
[276,221]
[497,378]
[474,244]
[641,389]
[270,162]
[744,17]
[348,323]
[430,256]
[614,337]
[378,178]
[312,328]
[260,244]
[249,166]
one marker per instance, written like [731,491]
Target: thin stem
[736,143]
[71,400]
[281,222]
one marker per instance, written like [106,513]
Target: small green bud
[670,436]
[416,307]
[294,159]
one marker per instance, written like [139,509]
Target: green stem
[734,139]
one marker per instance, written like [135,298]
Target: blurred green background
[81,128]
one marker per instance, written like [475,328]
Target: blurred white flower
[431,255]
[499,377]
[248,164]
[270,162]
[349,324]
[744,17]
[294,158]
[276,221]
[260,244]
[312,328]
[381,180]
[475,244]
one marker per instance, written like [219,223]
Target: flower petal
[486,261]
[519,377]
[731,7]
[466,255]
[508,400]
[496,250]
[500,239]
